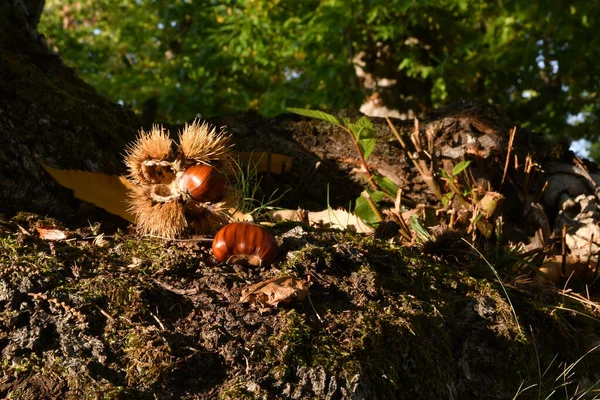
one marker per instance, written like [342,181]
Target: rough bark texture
[127,317]
[48,114]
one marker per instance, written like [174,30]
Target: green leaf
[407,62]
[446,199]
[262,56]
[386,185]
[365,134]
[460,167]
[364,211]
[315,114]
[418,227]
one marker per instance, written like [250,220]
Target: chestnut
[203,183]
[244,243]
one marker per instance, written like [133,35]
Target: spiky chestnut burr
[148,155]
[180,189]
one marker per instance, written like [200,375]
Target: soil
[129,317]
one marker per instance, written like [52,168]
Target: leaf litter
[268,294]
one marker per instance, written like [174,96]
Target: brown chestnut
[244,243]
[203,183]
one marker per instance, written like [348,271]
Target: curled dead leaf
[51,234]
[268,294]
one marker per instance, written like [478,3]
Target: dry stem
[419,161]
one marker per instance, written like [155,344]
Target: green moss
[290,346]
[309,255]
[404,323]
[23,365]
[393,321]
[29,259]
[149,357]
[237,389]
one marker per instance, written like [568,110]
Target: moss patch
[141,317]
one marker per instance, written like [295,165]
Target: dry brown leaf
[51,234]
[106,191]
[237,215]
[277,162]
[578,268]
[270,293]
[334,219]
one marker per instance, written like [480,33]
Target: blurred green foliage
[536,60]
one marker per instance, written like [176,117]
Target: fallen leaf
[237,215]
[51,234]
[106,191]
[274,163]
[575,267]
[334,219]
[110,191]
[270,293]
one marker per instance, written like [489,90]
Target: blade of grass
[499,281]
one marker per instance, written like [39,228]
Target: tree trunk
[47,114]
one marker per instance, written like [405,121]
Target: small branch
[158,321]
[362,159]
[395,131]
[563,239]
[510,144]
[314,309]
[367,197]
[107,315]
[171,288]
[419,162]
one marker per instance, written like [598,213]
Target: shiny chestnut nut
[244,243]
[203,183]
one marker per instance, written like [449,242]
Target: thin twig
[539,196]
[158,321]
[510,143]
[314,309]
[371,204]
[395,131]
[563,266]
[362,159]
[171,288]
[404,229]
[107,315]
[419,162]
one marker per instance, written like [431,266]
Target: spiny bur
[181,189]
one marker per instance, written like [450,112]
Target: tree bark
[49,115]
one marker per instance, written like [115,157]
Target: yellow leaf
[278,163]
[105,191]
[328,218]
